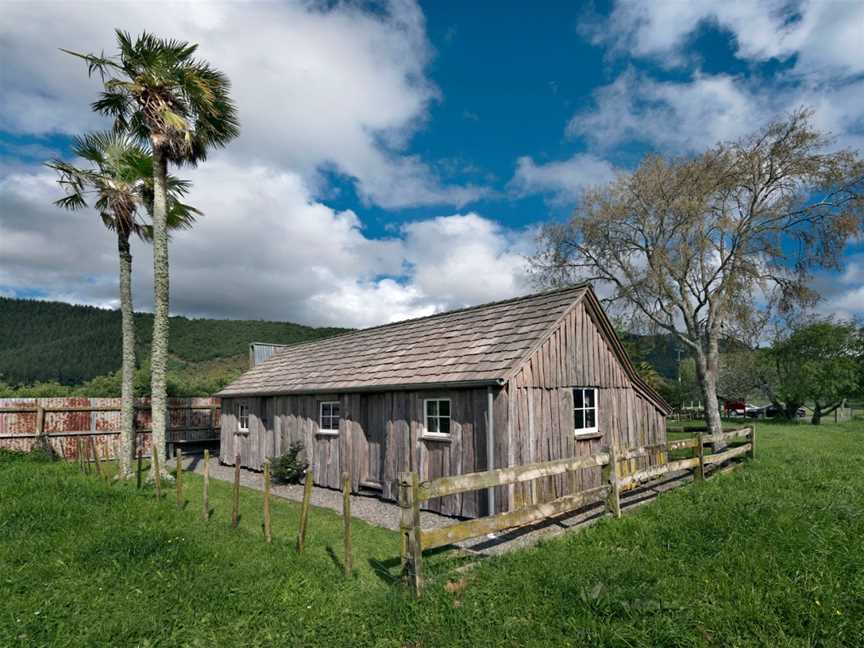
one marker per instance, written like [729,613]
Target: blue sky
[396,158]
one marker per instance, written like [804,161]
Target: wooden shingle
[477,345]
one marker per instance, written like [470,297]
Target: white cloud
[690,116]
[564,180]
[825,36]
[271,253]
[318,86]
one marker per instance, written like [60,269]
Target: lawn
[769,555]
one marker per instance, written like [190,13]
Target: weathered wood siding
[577,354]
[380,435]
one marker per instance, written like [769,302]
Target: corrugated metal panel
[261,351]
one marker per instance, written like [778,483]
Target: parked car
[770,411]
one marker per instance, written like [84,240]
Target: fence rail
[412,493]
[58,423]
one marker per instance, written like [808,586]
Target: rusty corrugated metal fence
[60,422]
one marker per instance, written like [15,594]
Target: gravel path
[386,514]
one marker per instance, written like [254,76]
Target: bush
[289,468]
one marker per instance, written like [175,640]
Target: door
[372,463]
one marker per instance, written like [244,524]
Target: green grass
[769,555]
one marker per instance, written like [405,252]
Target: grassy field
[770,555]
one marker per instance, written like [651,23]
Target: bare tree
[704,247]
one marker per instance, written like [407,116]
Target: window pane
[577,398]
[432,424]
[431,408]
[589,418]
[444,408]
[589,398]
[444,425]
[334,410]
[578,419]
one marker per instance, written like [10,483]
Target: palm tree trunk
[127,394]
[159,351]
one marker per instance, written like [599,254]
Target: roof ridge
[464,309]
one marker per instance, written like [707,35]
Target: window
[242,417]
[584,410]
[328,419]
[438,416]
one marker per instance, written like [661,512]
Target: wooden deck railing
[412,492]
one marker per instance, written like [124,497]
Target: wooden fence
[58,423]
[412,492]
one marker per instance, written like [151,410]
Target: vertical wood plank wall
[381,433]
[576,354]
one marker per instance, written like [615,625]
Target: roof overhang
[354,389]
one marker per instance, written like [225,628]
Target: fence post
[304,511]
[138,472]
[346,513]
[179,477]
[412,551]
[79,454]
[268,536]
[206,497]
[156,471]
[614,500]
[41,439]
[700,453]
[753,441]
[96,456]
[235,509]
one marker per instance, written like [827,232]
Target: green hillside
[70,345]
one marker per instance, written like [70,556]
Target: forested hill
[52,341]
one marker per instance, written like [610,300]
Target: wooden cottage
[508,383]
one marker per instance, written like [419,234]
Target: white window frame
[321,428]
[585,431]
[426,429]
[242,414]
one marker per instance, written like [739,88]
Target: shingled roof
[472,346]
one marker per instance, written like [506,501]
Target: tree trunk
[707,375]
[817,414]
[159,351]
[127,394]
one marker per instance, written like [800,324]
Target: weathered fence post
[179,477]
[412,550]
[206,497]
[41,439]
[138,471]
[96,456]
[304,511]
[614,501]
[79,454]
[753,441]
[268,537]
[155,460]
[700,453]
[235,509]
[346,514]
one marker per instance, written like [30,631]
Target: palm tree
[119,180]
[155,89]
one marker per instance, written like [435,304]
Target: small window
[584,410]
[328,419]
[242,417]
[438,416]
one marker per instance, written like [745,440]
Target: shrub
[290,467]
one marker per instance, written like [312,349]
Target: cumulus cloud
[689,116]
[824,37]
[562,180]
[272,253]
[318,86]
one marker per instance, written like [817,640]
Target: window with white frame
[584,410]
[328,416]
[437,416]
[242,417]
